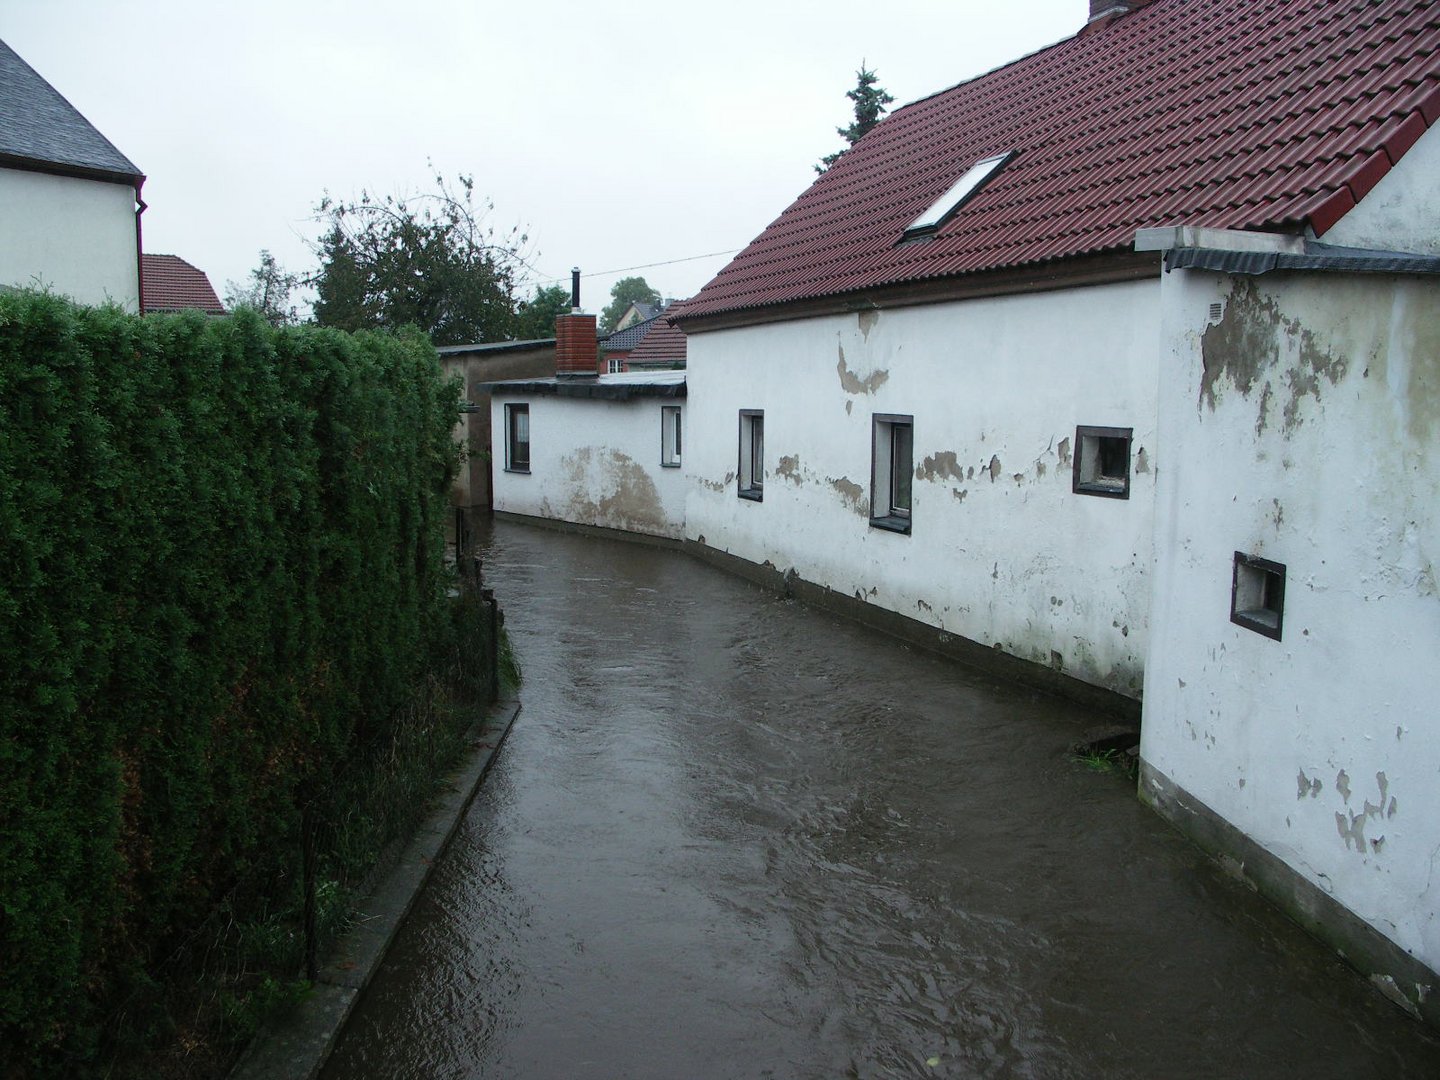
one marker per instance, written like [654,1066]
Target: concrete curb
[295,1046]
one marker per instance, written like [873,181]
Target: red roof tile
[1232,114]
[172,284]
[664,342]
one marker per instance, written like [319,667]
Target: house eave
[1100,269]
[79,172]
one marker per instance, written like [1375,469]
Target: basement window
[1102,462]
[670,436]
[1257,595]
[517,438]
[959,193]
[892,465]
[752,454]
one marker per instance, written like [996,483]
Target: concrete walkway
[295,1046]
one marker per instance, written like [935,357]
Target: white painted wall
[1001,551]
[1398,213]
[1305,428]
[593,463]
[76,237]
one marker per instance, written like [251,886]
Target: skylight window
[943,208]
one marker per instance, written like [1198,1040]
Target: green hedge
[221,583]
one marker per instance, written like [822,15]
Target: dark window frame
[750,471]
[1101,443]
[671,454]
[1267,619]
[883,474]
[513,460]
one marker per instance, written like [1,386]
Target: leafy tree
[536,317]
[870,101]
[268,292]
[626,291]
[427,260]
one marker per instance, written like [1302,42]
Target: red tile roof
[1235,114]
[664,343]
[172,284]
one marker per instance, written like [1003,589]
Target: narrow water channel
[731,836]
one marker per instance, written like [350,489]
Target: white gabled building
[948,388]
[69,201]
[590,449]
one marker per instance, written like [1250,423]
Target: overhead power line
[643,266]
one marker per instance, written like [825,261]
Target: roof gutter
[140,208]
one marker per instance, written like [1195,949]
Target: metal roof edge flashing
[1233,252]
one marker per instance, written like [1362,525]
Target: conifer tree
[870,101]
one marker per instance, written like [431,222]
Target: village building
[1116,366]
[174,285]
[588,447]
[69,200]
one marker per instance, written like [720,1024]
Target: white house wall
[1001,552]
[1401,205]
[75,237]
[592,462]
[1303,426]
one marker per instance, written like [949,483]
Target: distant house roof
[664,344]
[627,339]
[40,130]
[1232,114]
[172,284]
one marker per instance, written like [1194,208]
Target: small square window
[892,470]
[1257,595]
[615,366]
[752,454]
[517,438]
[1102,462]
[670,436]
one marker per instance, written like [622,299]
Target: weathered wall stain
[867,320]
[994,469]
[630,501]
[789,468]
[1063,450]
[853,384]
[1415,341]
[852,494]
[1247,343]
[717,485]
[1308,786]
[942,465]
[1142,461]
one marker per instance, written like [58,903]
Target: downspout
[140,208]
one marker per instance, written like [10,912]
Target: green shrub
[222,594]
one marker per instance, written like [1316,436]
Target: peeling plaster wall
[1303,426]
[76,237]
[1001,552]
[1398,205]
[592,463]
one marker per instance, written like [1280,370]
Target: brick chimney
[576,351]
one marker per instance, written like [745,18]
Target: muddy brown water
[732,836]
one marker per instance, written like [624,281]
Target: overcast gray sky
[616,134]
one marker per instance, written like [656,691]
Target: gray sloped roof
[38,126]
[624,340]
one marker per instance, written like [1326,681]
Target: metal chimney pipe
[575,289]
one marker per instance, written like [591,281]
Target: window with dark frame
[892,471]
[1102,462]
[1257,595]
[517,438]
[752,454]
[670,436]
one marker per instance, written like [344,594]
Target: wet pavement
[731,836]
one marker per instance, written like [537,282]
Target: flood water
[732,836]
